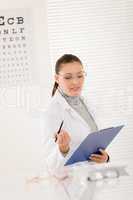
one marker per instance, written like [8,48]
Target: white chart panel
[16,47]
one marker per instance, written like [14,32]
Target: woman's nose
[75,80]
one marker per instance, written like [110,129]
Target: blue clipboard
[92,143]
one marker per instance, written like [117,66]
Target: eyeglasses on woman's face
[69,77]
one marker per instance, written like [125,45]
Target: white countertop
[20,186]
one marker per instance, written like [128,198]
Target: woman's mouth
[75,89]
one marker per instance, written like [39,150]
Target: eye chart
[16,47]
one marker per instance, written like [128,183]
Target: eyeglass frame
[73,76]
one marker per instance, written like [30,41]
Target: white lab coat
[58,110]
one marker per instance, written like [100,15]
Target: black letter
[20,20]
[14,31]
[2,19]
[6,31]
[10,19]
[21,30]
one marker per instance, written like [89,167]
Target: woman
[68,108]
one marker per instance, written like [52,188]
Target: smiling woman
[69,111]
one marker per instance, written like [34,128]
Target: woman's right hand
[63,140]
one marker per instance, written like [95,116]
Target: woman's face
[71,78]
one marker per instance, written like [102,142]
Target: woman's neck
[70,99]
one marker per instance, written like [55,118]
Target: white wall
[20,127]
[100,33]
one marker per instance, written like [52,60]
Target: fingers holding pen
[63,138]
[63,141]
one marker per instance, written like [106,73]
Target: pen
[59,130]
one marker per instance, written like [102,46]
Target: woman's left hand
[99,158]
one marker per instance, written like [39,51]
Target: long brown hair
[66,58]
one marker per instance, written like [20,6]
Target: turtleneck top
[79,106]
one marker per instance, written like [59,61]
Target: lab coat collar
[59,98]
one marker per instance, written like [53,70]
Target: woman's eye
[68,78]
[80,76]
[71,77]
